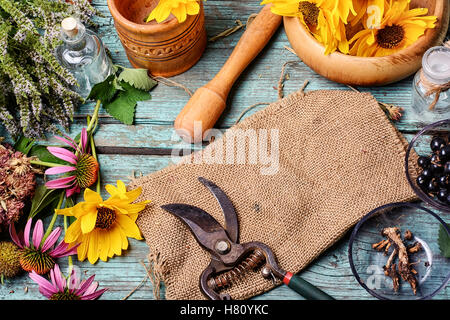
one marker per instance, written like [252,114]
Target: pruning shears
[230,259]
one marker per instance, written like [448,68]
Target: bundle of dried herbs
[36,90]
[402,250]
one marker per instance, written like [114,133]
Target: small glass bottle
[83,54]
[435,74]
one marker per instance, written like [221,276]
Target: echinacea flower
[82,168]
[179,8]
[102,227]
[35,255]
[399,28]
[71,289]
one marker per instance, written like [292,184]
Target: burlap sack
[339,158]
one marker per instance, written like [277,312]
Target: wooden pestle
[209,101]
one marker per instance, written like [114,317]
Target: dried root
[403,269]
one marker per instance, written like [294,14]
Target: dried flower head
[17,184]
[9,260]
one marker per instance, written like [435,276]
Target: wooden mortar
[166,49]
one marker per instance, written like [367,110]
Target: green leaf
[124,105]
[444,242]
[44,155]
[138,78]
[42,199]
[24,145]
[104,91]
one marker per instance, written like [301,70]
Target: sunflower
[306,10]
[369,12]
[325,19]
[102,227]
[399,28]
[179,8]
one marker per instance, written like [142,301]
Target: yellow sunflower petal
[73,232]
[180,13]
[192,7]
[88,222]
[93,252]
[121,186]
[129,227]
[160,13]
[83,247]
[134,194]
[92,196]
[123,238]
[116,241]
[65,212]
[84,208]
[112,190]
[103,244]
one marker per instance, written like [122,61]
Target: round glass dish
[433,269]
[421,145]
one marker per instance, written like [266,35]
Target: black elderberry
[422,182]
[432,186]
[444,153]
[436,169]
[442,195]
[435,159]
[437,143]
[447,167]
[427,173]
[443,181]
[423,162]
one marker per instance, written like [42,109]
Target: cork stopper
[70,26]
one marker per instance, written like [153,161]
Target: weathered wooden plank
[154,132]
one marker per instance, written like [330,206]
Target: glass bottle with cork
[431,94]
[83,54]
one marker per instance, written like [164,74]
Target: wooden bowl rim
[422,41]
[145,28]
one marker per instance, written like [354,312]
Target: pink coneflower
[37,256]
[72,289]
[82,172]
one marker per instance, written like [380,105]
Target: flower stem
[52,222]
[94,154]
[45,164]
[69,257]
[92,122]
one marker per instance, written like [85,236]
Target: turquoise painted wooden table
[146,147]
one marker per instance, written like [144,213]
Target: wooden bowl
[368,71]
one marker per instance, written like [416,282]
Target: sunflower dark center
[105,218]
[309,11]
[32,259]
[87,169]
[65,295]
[390,37]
